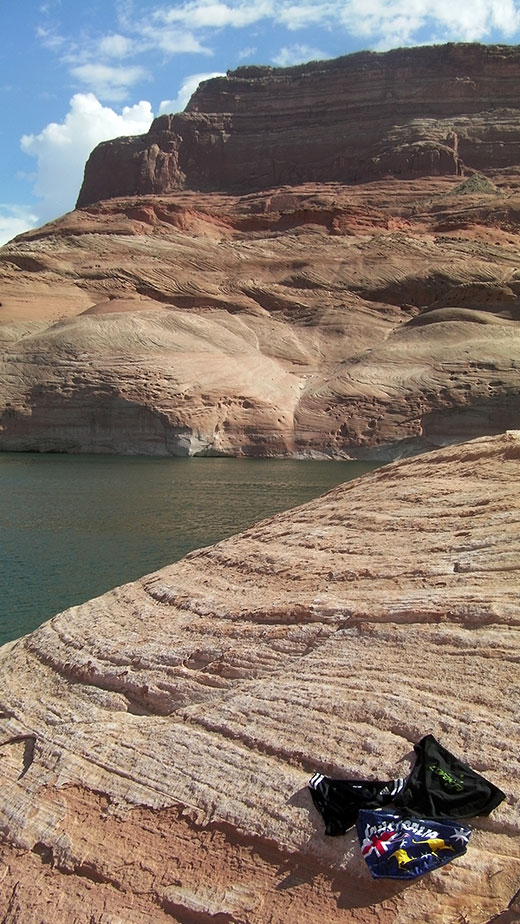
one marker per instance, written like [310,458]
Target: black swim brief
[339,801]
[440,785]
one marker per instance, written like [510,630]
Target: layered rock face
[441,110]
[156,742]
[348,322]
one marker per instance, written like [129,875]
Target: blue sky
[75,72]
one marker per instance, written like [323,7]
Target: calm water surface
[72,527]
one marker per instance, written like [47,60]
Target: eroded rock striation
[156,742]
[439,110]
[329,321]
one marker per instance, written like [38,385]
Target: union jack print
[379,843]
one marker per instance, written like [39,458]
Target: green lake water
[72,527]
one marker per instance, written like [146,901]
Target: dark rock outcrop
[440,110]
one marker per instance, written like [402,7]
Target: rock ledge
[155,743]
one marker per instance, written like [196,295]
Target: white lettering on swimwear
[405,825]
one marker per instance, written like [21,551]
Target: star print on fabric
[379,843]
[460,836]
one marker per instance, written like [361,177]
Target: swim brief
[405,848]
[441,785]
[339,801]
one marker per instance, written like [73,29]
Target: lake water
[72,527]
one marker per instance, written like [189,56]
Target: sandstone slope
[155,743]
[366,321]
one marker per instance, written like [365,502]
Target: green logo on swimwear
[450,782]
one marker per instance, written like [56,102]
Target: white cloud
[116,46]
[109,82]
[381,22]
[204,14]
[395,22]
[297,54]
[173,41]
[50,38]
[302,15]
[62,148]
[47,8]
[15,219]
[505,16]
[247,53]
[125,13]
[187,90]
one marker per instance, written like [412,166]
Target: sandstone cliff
[155,743]
[361,322]
[439,110]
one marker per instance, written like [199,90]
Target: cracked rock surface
[156,742]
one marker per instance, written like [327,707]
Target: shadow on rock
[354,885]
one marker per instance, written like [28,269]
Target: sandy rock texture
[369,321]
[156,742]
[440,110]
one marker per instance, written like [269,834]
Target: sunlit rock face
[156,742]
[411,112]
[364,322]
